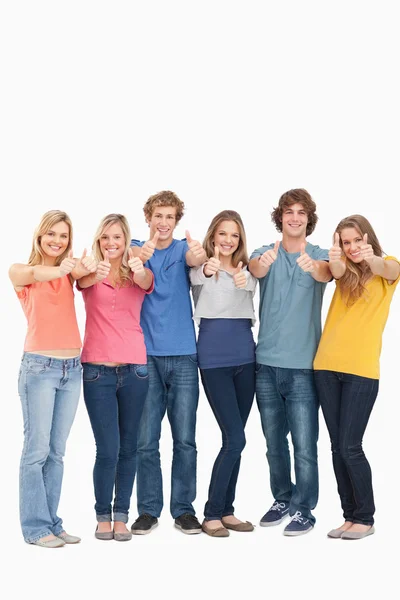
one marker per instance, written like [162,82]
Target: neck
[291,244]
[49,261]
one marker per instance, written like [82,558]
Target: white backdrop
[229,104]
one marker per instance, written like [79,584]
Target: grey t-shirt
[290,311]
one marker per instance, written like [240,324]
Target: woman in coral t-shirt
[50,375]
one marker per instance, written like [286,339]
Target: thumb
[155,237]
[365,238]
[216,252]
[302,248]
[188,238]
[106,255]
[336,239]
[70,254]
[84,254]
[130,253]
[276,247]
[239,268]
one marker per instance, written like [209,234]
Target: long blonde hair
[124,274]
[240,254]
[49,219]
[352,284]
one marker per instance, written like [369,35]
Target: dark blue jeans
[347,401]
[287,401]
[173,388]
[230,392]
[114,398]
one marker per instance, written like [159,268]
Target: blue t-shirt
[166,317]
[290,311]
[225,343]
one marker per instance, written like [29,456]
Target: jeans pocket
[305,279]
[90,374]
[141,371]
[36,367]
[192,358]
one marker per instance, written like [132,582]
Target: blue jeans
[114,398]
[347,401]
[287,402]
[49,389]
[173,388]
[230,392]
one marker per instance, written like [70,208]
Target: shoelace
[297,517]
[190,518]
[278,506]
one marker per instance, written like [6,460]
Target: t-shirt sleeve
[137,243]
[184,249]
[261,251]
[319,253]
[396,281]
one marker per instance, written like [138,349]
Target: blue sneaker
[298,525]
[276,514]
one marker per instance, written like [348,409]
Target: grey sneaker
[57,543]
[69,539]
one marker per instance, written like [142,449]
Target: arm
[260,266]
[102,271]
[197,276]
[337,266]
[22,275]
[85,265]
[144,279]
[388,269]
[321,271]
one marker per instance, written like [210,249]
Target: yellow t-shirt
[351,341]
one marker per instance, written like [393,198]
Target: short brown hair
[291,197]
[164,198]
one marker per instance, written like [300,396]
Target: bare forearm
[145,280]
[337,269]
[87,280]
[257,269]
[321,271]
[21,275]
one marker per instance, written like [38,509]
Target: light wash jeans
[49,389]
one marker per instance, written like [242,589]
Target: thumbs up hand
[67,265]
[147,250]
[335,253]
[88,263]
[304,261]
[135,264]
[195,247]
[239,276]
[366,250]
[213,264]
[103,268]
[270,256]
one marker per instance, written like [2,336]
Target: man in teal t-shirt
[293,275]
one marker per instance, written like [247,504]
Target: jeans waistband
[104,370]
[49,361]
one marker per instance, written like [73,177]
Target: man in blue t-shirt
[293,275]
[167,323]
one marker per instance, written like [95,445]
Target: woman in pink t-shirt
[50,374]
[115,377]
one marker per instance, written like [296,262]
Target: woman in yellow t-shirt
[347,378]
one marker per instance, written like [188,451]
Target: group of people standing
[140,360]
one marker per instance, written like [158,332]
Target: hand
[103,268]
[269,257]
[213,264]
[147,250]
[88,263]
[304,261]
[366,250]
[335,253]
[135,264]
[67,265]
[239,277]
[194,246]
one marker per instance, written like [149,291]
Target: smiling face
[163,220]
[294,221]
[55,241]
[352,240]
[113,240]
[227,237]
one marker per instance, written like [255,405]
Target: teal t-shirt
[290,311]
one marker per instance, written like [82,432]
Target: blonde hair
[240,253]
[352,284]
[125,274]
[49,219]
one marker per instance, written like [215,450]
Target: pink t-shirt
[113,332]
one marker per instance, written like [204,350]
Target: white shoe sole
[294,533]
[273,523]
[188,531]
